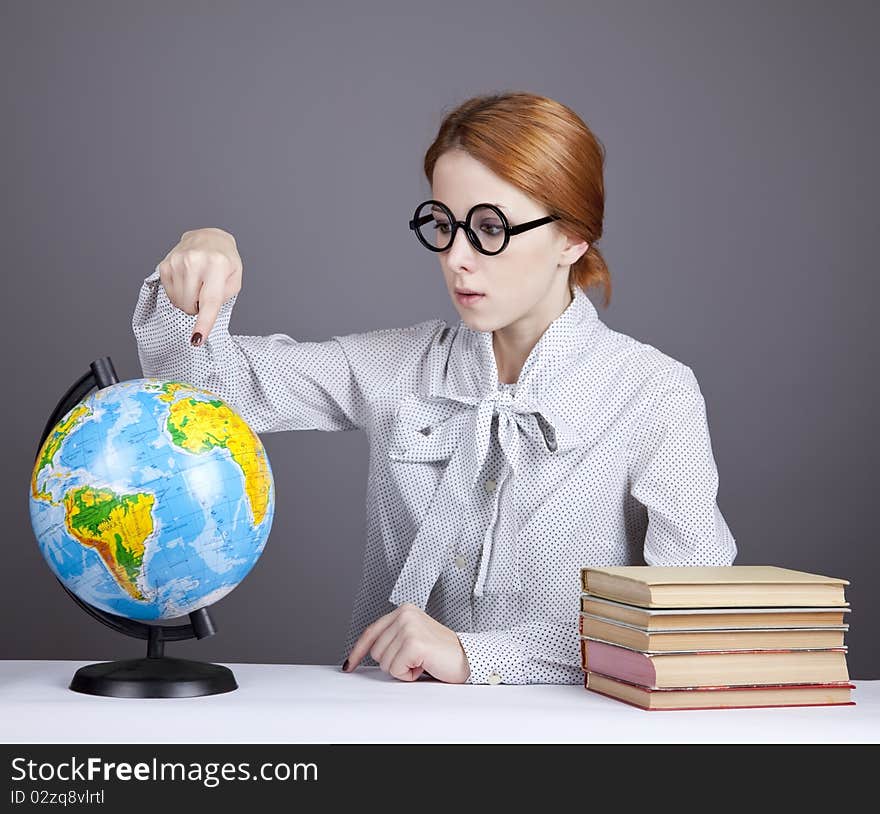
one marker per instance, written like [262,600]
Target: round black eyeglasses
[485,225]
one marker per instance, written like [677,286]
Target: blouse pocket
[426,430]
[424,436]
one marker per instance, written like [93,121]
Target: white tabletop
[300,703]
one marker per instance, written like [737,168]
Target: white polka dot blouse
[484,499]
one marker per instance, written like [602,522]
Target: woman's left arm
[673,474]
[545,651]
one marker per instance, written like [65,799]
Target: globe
[150,499]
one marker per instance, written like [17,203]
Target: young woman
[507,451]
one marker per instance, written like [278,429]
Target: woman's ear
[572,251]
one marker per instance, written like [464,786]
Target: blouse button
[493,678]
[460,561]
[489,485]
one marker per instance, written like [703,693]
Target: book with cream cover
[724,697]
[713,618]
[750,586]
[707,639]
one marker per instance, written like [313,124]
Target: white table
[298,703]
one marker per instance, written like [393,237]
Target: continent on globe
[116,526]
[213,424]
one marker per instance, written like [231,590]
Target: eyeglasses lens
[435,228]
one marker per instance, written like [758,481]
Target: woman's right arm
[274,382]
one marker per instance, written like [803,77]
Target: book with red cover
[714,667]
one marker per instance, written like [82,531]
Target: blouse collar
[471,369]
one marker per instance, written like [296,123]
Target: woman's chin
[477,322]
[475,318]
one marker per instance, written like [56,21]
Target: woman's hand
[408,642]
[201,273]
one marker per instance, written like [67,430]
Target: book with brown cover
[701,668]
[707,639]
[653,586]
[722,697]
[714,618]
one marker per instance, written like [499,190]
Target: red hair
[544,149]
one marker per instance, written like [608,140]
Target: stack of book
[679,637]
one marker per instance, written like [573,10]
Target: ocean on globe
[151,499]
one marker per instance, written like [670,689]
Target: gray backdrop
[741,214]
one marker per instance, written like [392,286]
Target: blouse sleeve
[673,474]
[544,651]
[274,382]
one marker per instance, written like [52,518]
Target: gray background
[741,215]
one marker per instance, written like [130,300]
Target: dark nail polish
[196,339]
[345,665]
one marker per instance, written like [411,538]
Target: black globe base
[153,678]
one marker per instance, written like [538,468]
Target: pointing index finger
[366,640]
[210,300]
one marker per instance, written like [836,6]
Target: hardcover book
[714,618]
[713,586]
[705,668]
[746,696]
[739,639]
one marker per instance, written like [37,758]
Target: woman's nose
[461,248]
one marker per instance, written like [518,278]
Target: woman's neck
[513,343]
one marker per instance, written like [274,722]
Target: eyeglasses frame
[509,230]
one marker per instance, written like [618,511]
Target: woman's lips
[468,299]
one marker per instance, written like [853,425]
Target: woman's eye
[440,227]
[493,226]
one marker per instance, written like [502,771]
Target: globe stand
[157,675]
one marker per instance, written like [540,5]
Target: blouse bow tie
[458,427]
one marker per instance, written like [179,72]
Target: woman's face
[528,278]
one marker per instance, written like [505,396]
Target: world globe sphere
[151,499]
